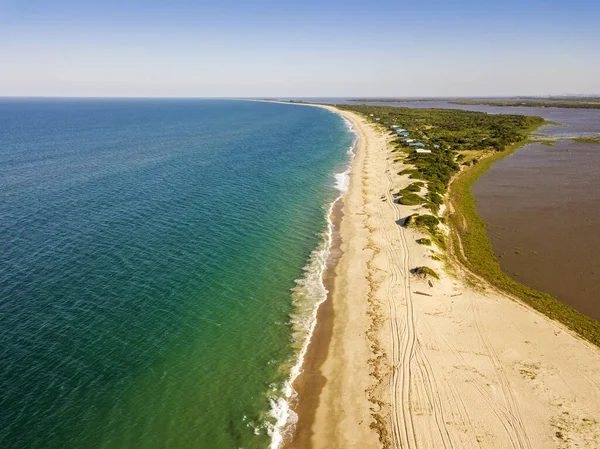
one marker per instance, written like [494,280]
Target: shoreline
[301,392]
[309,384]
[400,363]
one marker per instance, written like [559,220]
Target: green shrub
[426,271]
[435,198]
[428,222]
[414,187]
[410,199]
[424,241]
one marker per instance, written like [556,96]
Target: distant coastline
[583,102]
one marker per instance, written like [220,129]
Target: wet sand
[311,382]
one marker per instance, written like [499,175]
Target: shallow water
[149,249]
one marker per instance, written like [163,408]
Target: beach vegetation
[414,187]
[578,103]
[582,139]
[410,199]
[424,241]
[425,272]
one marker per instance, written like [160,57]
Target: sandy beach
[397,362]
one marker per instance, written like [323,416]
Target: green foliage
[410,199]
[580,103]
[429,222]
[424,241]
[414,187]
[435,198]
[426,271]
[587,139]
[453,130]
[413,173]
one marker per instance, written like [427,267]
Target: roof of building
[420,150]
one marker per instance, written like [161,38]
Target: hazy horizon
[306,49]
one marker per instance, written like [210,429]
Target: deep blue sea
[159,268]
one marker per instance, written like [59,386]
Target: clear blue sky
[299,48]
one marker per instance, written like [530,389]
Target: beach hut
[377,118]
[416,144]
[403,133]
[421,150]
[370,115]
[408,140]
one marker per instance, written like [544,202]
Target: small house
[421,150]
[402,133]
[416,144]
[408,140]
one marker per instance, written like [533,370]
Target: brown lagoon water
[542,205]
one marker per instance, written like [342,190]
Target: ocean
[160,268]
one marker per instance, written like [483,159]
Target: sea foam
[308,294]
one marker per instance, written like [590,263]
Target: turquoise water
[149,252]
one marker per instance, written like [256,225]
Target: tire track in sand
[405,347]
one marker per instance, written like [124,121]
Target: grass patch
[586,139]
[424,241]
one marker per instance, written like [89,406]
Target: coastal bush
[410,199]
[433,208]
[414,187]
[435,198]
[429,222]
[425,271]
[411,172]
[424,241]
[455,130]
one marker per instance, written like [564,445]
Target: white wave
[342,180]
[307,296]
